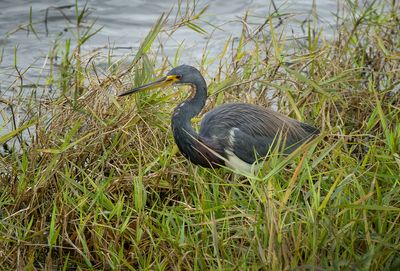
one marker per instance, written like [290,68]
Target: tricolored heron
[234,135]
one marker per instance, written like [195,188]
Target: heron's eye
[178,76]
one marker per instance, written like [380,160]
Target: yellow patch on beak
[174,78]
[162,82]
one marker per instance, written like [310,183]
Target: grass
[100,183]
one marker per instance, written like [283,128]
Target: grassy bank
[101,185]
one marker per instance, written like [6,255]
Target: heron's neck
[184,134]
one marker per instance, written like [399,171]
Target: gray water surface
[126,22]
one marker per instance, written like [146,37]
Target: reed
[100,184]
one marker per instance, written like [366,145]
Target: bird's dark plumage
[253,126]
[236,135]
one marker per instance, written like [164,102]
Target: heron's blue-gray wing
[248,130]
[207,153]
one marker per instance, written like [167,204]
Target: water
[125,24]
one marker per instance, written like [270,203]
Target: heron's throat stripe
[193,91]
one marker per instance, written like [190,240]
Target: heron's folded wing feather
[253,120]
[255,130]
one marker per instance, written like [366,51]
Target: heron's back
[246,128]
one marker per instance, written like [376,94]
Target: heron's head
[183,74]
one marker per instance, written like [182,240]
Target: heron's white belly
[238,164]
[233,161]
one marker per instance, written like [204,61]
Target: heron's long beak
[162,82]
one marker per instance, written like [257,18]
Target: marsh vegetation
[92,182]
